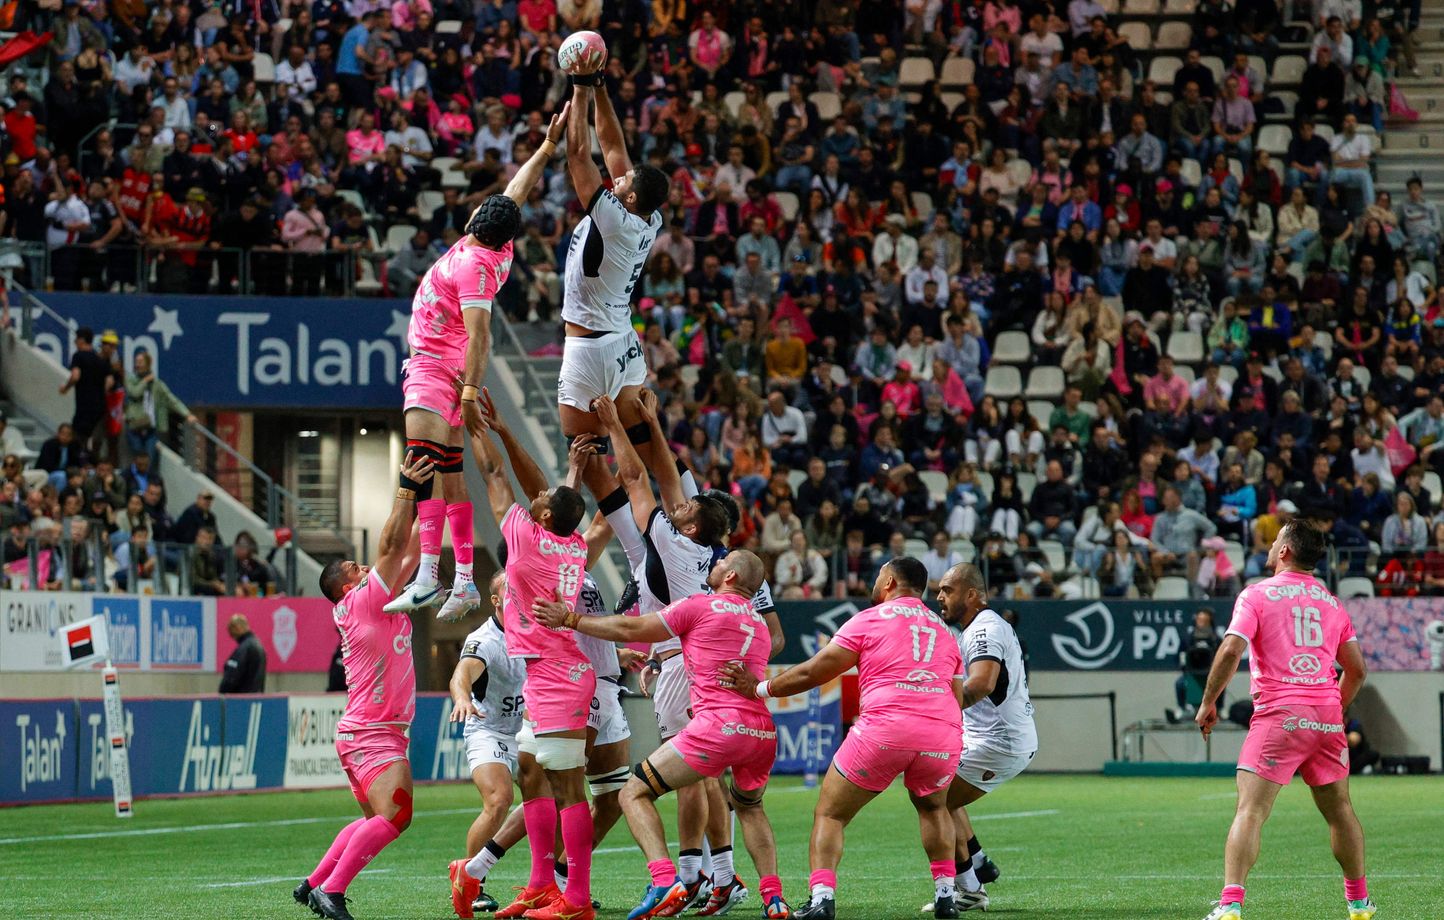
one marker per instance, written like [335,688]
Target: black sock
[497,849]
[974,848]
[561,868]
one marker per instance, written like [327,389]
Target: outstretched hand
[735,677]
[648,406]
[584,447]
[606,411]
[551,613]
[418,467]
[558,128]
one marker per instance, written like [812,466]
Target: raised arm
[498,486]
[586,178]
[531,171]
[392,557]
[478,346]
[832,661]
[1225,665]
[630,469]
[529,476]
[609,135]
[597,535]
[669,481]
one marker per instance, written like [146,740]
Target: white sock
[823,891]
[689,866]
[944,887]
[979,858]
[722,871]
[561,876]
[480,864]
[707,864]
[463,574]
[968,881]
[689,484]
[624,525]
[427,572]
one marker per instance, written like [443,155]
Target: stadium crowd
[1047,286]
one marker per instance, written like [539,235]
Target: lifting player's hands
[735,677]
[629,659]
[1207,718]
[606,411]
[551,613]
[584,448]
[647,401]
[460,710]
[418,467]
[558,128]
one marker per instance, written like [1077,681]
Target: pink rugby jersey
[1294,628]
[376,651]
[907,661]
[468,277]
[538,562]
[717,629]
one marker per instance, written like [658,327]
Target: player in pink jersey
[450,338]
[1294,631]
[727,730]
[910,674]
[380,699]
[545,560]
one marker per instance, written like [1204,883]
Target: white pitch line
[227,826]
[247,883]
[1015,814]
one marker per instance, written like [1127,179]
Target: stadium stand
[964,210]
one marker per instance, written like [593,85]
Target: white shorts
[672,697]
[601,366]
[607,717]
[985,768]
[484,746]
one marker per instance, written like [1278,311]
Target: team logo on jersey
[574,674]
[1305,664]
[921,676]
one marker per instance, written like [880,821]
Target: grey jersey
[1002,720]
[608,250]
[497,692]
[601,653]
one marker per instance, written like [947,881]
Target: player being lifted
[727,731]
[450,336]
[486,697]
[1294,631]
[999,738]
[545,559]
[380,698]
[602,355]
[910,676]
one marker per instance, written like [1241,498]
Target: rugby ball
[582,53]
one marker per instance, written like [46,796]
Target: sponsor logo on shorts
[634,351]
[732,728]
[345,736]
[1296,724]
[989,776]
[921,676]
[574,674]
[938,755]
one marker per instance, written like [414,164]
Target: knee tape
[450,461]
[639,433]
[741,799]
[402,799]
[422,447]
[648,774]
[555,754]
[604,783]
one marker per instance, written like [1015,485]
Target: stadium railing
[201,270]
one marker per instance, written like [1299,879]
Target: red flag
[21,45]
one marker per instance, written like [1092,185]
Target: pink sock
[432,514]
[338,846]
[943,868]
[1231,894]
[540,816]
[366,841]
[769,886]
[663,872]
[1356,889]
[577,838]
[823,877]
[458,521]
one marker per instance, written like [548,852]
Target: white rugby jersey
[601,653]
[674,567]
[1002,720]
[497,692]
[608,250]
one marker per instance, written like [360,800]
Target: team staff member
[245,670]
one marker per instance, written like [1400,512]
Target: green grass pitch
[1079,847]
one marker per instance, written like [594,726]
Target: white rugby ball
[581,53]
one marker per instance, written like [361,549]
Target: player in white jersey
[602,355]
[486,696]
[999,738]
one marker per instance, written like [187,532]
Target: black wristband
[587,79]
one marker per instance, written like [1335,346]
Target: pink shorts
[558,694]
[1291,738]
[715,740]
[872,766]
[366,753]
[426,384]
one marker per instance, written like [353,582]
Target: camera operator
[1196,659]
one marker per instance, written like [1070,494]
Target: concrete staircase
[1419,148]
